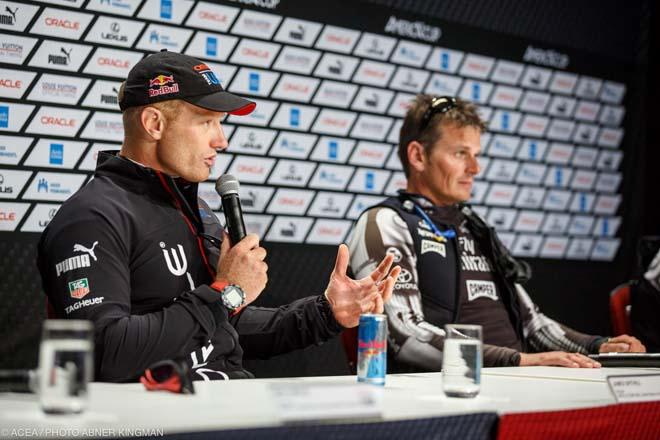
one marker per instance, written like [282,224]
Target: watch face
[233,296]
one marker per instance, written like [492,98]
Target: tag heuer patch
[79,288]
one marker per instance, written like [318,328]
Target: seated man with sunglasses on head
[454,269]
[137,252]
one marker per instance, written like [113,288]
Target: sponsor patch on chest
[481,289]
[434,246]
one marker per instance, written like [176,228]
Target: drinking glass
[66,365]
[461,360]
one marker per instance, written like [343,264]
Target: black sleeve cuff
[325,310]
[594,347]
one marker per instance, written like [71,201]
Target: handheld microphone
[227,187]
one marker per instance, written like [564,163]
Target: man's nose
[219,140]
[473,166]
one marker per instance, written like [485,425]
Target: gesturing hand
[349,298]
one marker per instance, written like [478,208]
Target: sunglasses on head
[439,104]
[168,375]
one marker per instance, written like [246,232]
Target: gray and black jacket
[427,297]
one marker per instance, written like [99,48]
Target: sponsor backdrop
[332,81]
[321,146]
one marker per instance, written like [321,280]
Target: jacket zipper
[177,202]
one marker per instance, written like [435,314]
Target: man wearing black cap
[136,251]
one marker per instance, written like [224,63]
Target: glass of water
[66,365]
[461,360]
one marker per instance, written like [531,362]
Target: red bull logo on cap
[162,85]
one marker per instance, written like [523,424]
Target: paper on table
[635,388]
[309,401]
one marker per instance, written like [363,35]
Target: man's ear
[416,156]
[153,122]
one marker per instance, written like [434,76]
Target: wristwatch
[231,295]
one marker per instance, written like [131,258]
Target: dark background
[573,292]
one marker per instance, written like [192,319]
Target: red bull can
[372,349]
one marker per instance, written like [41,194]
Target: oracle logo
[557,246]
[502,96]
[374,73]
[291,202]
[584,180]
[476,66]
[606,204]
[252,169]
[66,24]
[206,15]
[564,83]
[560,154]
[290,87]
[609,136]
[587,111]
[255,53]
[338,39]
[371,154]
[529,221]
[11,84]
[400,183]
[335,122]
[501,194]
[60,122]
[114,62]
[533,125]
[7,216]
[326,230]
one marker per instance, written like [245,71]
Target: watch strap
[219,285]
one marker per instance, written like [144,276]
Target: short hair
[131,115]
[463,114]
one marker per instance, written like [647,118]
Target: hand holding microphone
[241,258]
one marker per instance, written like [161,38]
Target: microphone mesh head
[226,184]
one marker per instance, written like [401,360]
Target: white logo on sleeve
[405,280]
[81,248]
[77,261]
[478,289]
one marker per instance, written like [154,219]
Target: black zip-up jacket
[130,251]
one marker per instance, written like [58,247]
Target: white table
[248,403]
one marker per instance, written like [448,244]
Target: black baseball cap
[169,75]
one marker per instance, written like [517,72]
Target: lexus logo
[114,27]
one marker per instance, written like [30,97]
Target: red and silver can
[372,349]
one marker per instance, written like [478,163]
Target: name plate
[635,388]
[314,401]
